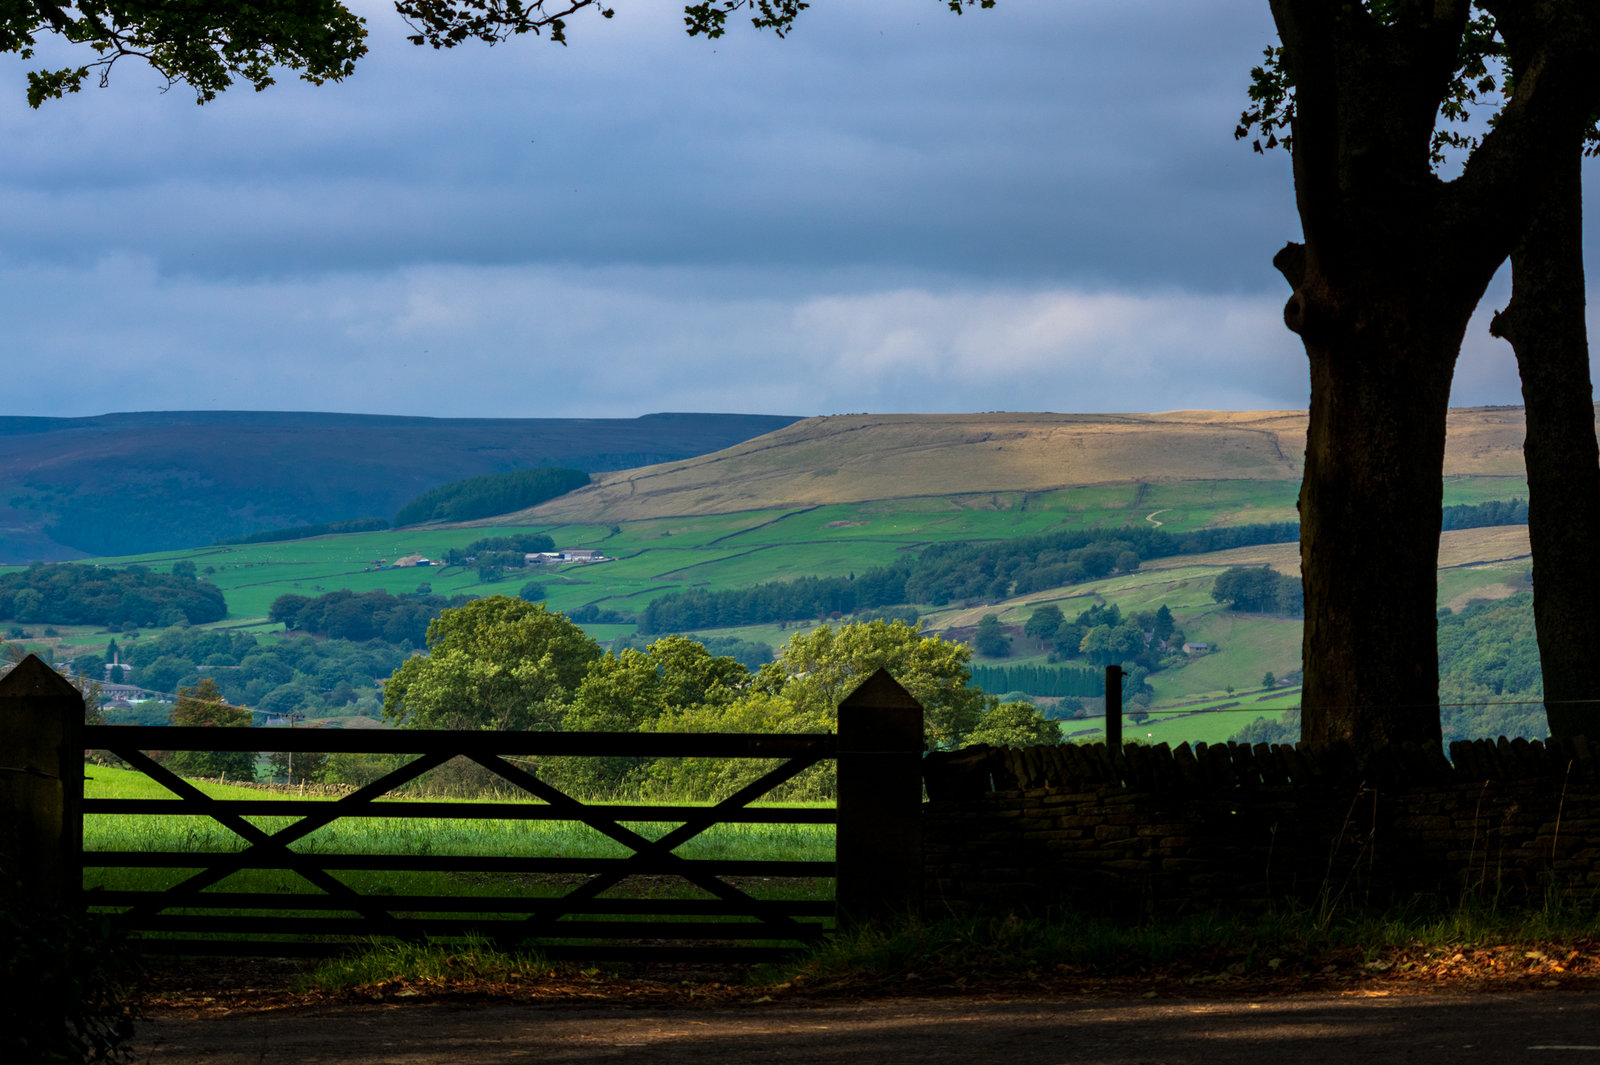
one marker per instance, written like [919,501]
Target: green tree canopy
[203,705]
[1015,725]
[632,688]
[1043,623]
[207,46]
[1107,645]
[990,639]
[496,663]
[815,670]
[1259,589]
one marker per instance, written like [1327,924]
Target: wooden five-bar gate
[876,868]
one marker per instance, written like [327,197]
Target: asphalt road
[1557,1027]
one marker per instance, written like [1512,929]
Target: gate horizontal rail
[336,913]
[463,742]
[473,863]
[471,903]
[463,810]
[877,867]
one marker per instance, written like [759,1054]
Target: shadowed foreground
[1557,1026]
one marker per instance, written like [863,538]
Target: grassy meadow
[433,837]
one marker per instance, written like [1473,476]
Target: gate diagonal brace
[276,842]
[647,851]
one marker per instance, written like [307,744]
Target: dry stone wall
[1153,830]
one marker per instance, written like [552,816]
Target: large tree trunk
[1395,259]
[1370,501]
[1545,324]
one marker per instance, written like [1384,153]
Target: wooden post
[878,846]
[1114,676]
[41,789]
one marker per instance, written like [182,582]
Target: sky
[894,209]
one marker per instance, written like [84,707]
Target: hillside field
[734,551]
[800,502]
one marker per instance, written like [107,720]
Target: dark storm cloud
[1040,206]
[1041,140]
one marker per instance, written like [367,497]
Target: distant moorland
[858,458]
[121,484]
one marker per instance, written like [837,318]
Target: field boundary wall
[1156,830]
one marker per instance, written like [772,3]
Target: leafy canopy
[1015,725]
[815,671]
[203,706]
[630,689]
[1481,78]
[205,44]
[497,663]
[209,44]
[447,23]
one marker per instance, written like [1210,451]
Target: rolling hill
[863,457]
[121,484]
[833,497]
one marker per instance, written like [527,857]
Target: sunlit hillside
[860,457]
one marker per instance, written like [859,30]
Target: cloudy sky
[1039,207]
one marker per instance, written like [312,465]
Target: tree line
[509,550]
[298,674]
[1490,671]
[1050,681]
[306,532]
[70,594]
[493,555]
[945,573]
[504,663]
[346,615]
[771,601]
[1484,515]
[1489,677]
[491,495]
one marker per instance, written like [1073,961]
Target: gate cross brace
[646,852]
[660,849]
[278,841]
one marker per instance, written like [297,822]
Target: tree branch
[1291,263]
[1555,57]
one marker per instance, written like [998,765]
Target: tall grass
[403,836]
[474,962]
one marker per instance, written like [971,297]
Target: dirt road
[1306,1029]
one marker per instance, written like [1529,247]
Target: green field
[729,551]
[1212,720]
[1186,505]
[725,551]
[1463,582]
[1463,490]
[411,836]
